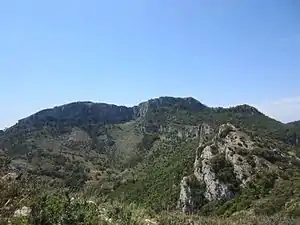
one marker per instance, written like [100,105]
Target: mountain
[166,155]
[295,123]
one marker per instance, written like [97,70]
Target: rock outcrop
[23,212]
[225,162]
[185,199]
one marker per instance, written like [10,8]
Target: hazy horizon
[222,53]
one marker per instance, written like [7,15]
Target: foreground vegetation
[65,208]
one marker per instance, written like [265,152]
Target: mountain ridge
[165,154]
[139,109]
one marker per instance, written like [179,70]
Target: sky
[221,52]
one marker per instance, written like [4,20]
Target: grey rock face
[235,150]
[215,189]
[179,131]
[191,194]
[185,197]
[141,110]
[187,103]
[204,133]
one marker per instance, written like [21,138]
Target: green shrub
[157,187]
[147,141]
[197,192]
[224,171]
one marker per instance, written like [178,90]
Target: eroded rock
[185,197]
[23,212]
[224,163]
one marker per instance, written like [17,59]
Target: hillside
[165,155]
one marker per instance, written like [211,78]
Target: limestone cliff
[225,162]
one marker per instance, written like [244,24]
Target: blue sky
[123,52]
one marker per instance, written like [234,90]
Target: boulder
[23,212]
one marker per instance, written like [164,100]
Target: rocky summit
[165,161]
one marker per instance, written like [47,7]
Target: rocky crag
[225,162]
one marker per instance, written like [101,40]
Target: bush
[147,141]
[197,192]
[224,171]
